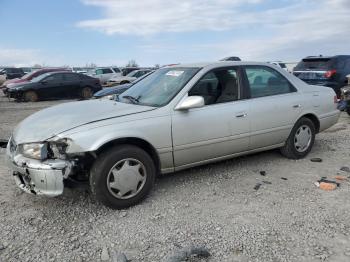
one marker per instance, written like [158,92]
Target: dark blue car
[328,71]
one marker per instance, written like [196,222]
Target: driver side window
[218,86]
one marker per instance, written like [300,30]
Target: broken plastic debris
[266,182]
[284,178]
[345,169]
[316,159]
[257,186]
[341,178]
[263,173]
[327,185]
[186,253]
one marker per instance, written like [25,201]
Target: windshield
[41,77]
[160,87]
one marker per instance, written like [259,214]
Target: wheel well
[315,120]
[143,144]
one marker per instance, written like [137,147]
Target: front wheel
[348,109]
[300,140]
[86,93]
[122,176]
[30,96]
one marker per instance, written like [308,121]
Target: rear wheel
[300,140]
[122,176]
[86,93]
[30,96]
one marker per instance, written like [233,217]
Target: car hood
[22,85]
[15,80]
[57,119]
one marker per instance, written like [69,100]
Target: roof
[219,64]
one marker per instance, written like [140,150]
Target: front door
[52,86]
[220,128]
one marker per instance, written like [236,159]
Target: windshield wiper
[132,99]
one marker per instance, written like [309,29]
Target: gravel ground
[215,206]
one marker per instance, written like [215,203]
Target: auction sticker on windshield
[174,73]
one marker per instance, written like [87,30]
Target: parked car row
[10,73]
[111,92]
[52,83]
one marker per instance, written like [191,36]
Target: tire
[111,188]
[30,96]
[348,110]
[304,130]
[86,93]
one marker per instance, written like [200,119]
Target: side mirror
[190,102]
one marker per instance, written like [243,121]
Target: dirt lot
[214,205]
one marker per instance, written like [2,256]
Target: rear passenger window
[265,81]
[71,77]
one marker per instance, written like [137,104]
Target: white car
[105,73]
[176,118]
[280,65]
[132,76]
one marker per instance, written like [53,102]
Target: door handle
[241,115]
[296,106]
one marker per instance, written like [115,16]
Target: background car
[56,85]
[127,70]
[110,92]
[105,73]
[10,73]
[231,58]
[280,64]
[28,77]
[328,71]
[132,76]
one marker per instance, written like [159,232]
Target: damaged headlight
[33,150]
[57,149]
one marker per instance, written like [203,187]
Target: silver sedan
[179,117]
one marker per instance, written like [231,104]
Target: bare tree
[132,63]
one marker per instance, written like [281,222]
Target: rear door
[72,85]
[274,106]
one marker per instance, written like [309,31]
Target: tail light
[330,73]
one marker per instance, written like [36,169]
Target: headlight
[34,150]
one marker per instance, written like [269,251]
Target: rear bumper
[329,120]
[39,177]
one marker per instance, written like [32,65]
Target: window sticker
[175,73]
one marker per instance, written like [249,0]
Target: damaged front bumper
[39,177]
